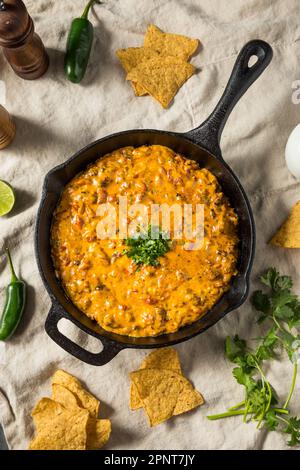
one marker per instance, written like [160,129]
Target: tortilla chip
[138,89]
[72,407]
[158,391]
[130,58]
[135,402]
[161,389]
[84,399]
[64,396]
[59,428]
[146,380]
[170,44]
[188,398]
[162,77]
[98,432]
[288,236]
[160,404]
[166,358]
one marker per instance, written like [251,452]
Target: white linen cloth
[56,118]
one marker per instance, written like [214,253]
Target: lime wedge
[7,198]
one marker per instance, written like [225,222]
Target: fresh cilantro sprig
[146,248]
[280,309]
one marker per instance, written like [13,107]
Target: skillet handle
[110,349]
[208,134]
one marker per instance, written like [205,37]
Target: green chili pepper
[15,303]
[79,45]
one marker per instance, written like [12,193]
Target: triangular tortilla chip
[162,77]
[98,430]
[161,389]
[85,399]
[158,391]
[131,58]
[166,358]
[170,44]
[164,393]
[59,428]
[288,236]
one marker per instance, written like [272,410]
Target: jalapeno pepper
[79,45]
[15,303]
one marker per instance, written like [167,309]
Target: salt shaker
[7,128]
[22,47]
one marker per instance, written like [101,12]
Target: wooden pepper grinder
[7,128]
[22,47]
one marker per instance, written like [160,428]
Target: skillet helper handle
[110,349]
[243,75]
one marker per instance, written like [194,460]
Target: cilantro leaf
[284,313]
[270,277]
[280,309]
[235,348]
[276,282]
[282,298]
[293,428]
[244,379]
[145,250]
[261,302]
[294,322]
[283,283]
[271,420]
[266,349]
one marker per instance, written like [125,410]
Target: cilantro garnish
[280,309]
[147,247]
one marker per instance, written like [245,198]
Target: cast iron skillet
[201,144]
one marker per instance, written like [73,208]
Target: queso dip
[108,286]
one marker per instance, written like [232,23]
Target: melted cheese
[104,283]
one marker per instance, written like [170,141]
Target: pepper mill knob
[22,47]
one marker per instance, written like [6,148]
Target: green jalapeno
[79,45]
[15,303]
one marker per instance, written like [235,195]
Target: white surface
[292,152]
[55,118]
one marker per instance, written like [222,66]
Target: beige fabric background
[55,118]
